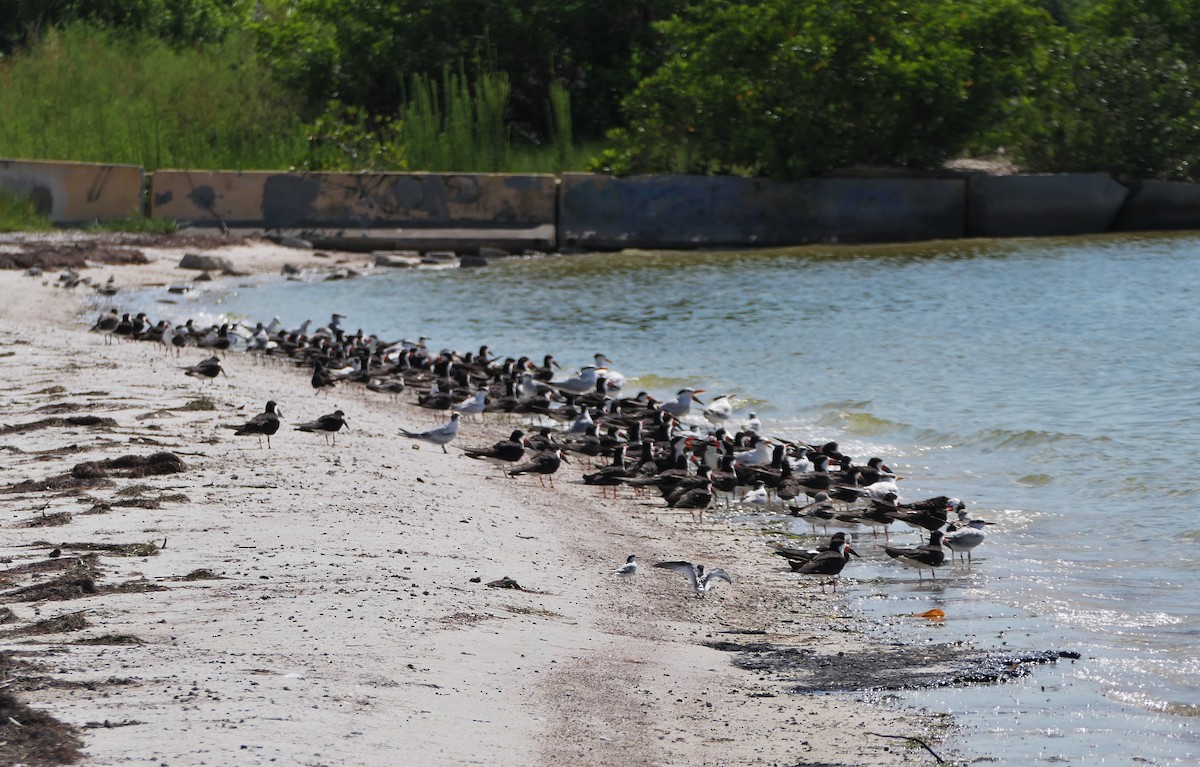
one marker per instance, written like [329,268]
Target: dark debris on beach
[893,668]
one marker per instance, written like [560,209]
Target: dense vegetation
[777,88]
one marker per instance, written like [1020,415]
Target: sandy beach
[327,604]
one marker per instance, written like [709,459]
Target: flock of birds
[679,448]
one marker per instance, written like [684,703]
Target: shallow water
[1048,383]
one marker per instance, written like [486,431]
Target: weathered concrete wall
[605,212]
[277,200]
[74,192]
[1039,205]
[514,212]
[1160,205]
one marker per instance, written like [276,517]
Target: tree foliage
[795,89]
[176,21]
[779,88]
[1119,95]
[364,52]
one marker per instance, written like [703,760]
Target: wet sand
[327,604]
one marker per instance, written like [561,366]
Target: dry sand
[346,624]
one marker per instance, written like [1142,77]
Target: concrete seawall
[601,212]
[514,212]
[76,193]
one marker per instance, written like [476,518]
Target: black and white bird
[505,451]
[927,557]
[262,425]
[828,564]
[544,464]
[328,425]
[630,566]
[702,580]
[442,435]
[209,368]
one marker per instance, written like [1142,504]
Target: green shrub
[790,90]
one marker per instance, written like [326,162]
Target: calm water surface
[1051,384]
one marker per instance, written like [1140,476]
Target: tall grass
[19,213]
[457,127]
[87,94]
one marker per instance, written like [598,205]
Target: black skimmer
[611,475]
[544,464]
[505,451]
[702,581]
[546,371]
[800,556]
[262,425]
[630,566]
[442,435]
[209,368]
[322,378]
[927,557]
[929,514]
[106,324]
[328,425]
[695,500]
[827,564]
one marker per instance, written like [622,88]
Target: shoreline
[344,626]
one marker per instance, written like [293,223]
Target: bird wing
[686,569]
[718,573]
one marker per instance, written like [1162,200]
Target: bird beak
[565,459]
[852,551]
[698,391]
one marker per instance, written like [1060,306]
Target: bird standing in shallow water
[927,557]
[827,564]
[961,540]
[702,581]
